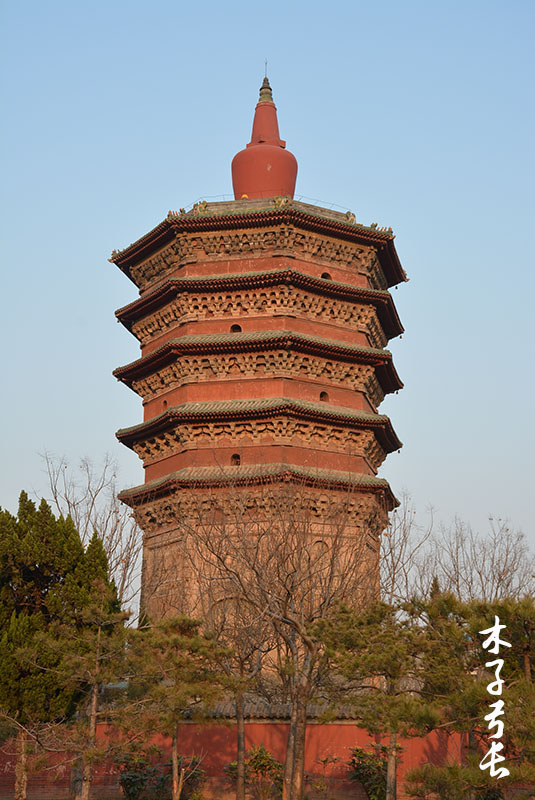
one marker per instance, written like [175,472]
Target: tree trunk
[178,772]
[91,739]
[471,748]
[174,762]
[240,733]
[299,747]
[527,665]
[87,756]
[391,764]
[21,766]
[86,779]
[290,751]
[181,782]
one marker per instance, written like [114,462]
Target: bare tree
[247,638]
[290,556]
[176,583]
[477,567]
[404,548]
[468,564]
[88,494]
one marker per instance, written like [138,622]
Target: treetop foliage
[46,579]
[37,552]
[175,668]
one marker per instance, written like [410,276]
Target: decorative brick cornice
[298,216]
[236,410]
[173,287]
[229,307]
[381,360]
[272,363]
[316,437]
[166,518]
[233,478]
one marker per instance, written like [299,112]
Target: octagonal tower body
[262,324]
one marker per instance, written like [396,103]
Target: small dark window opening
[235,328]
[326,276]
[324,397]
[235,460]
[165,403]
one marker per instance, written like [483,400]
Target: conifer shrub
[369,769]
[453,782]
[142,779]
[263,774]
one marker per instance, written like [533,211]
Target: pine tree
[402,664]
[175,675]
[91,648]
[464,705]
[37,553]
[57,610]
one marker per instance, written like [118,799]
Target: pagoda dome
[264,168]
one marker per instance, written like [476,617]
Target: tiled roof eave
[262,710]
[170,288]
[177,224]
[213,412]
[207,477]
[262,340]
[158,237]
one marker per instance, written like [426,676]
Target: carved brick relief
[277,431]
[187,509]
[281,240]
[274,300]
[277,363]
[375,273]
[170,571]
[167,578]
[175,571]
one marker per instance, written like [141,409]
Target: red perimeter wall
[216,745]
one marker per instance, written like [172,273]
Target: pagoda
[263,323]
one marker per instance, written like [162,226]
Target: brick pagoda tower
[262,324]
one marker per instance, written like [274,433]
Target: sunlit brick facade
[263,323]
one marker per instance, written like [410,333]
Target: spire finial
[265,92]
[264,168]
[265,71]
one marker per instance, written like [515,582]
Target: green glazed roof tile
[218,475]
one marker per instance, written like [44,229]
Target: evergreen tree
[37,553]
[402,665]
[463,708]
[174,674]
[49,590]
[90,647]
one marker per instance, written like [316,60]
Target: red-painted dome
[265,168]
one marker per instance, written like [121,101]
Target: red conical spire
[264,168]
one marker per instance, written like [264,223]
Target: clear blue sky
[418,115]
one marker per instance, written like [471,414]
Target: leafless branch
[89,496]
